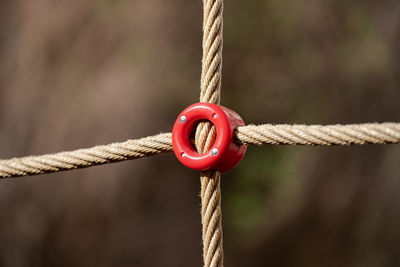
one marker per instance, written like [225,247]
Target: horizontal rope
[82,158]
[318,135]
[266,134]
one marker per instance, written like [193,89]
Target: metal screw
[215,116]
[214,151]
[183,154]
[182,119]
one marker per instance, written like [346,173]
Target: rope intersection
[265,134]
[210,87]
[210,91]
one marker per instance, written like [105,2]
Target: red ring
[225,121]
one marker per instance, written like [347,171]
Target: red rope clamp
[224,154]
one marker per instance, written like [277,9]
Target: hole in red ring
[192,134]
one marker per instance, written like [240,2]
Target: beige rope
[82,158]
[205,133]
[266,134]
[354,134]
[212,51]
[351,134]
[211,218]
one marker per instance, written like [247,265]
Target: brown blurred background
[76,73]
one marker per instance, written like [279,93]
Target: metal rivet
[214,151]
[182,119]
[215,116]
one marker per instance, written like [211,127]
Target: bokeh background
[76,73]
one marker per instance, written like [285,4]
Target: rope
[351,134]
[211,216]
[212,51]
[82,158]
[210,87]
[266,134]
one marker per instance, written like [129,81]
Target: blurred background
[76,73]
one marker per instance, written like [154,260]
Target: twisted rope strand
[210,88]
[266,134]
[211,213]
[82,158]
[318,135]
[212,52]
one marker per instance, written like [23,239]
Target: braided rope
[205,133]
[266,134]
[351,134]
[82,158]
[211,75]
[211,216]
[212,51]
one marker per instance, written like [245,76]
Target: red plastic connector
[224,154]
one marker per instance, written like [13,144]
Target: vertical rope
[205,133]
[212,51]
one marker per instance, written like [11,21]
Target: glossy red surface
[225,121]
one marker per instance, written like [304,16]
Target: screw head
[182,119]
[214,151]
[215,116]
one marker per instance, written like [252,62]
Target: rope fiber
[265,134]
[82,158]
[210,91]
[318,135]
